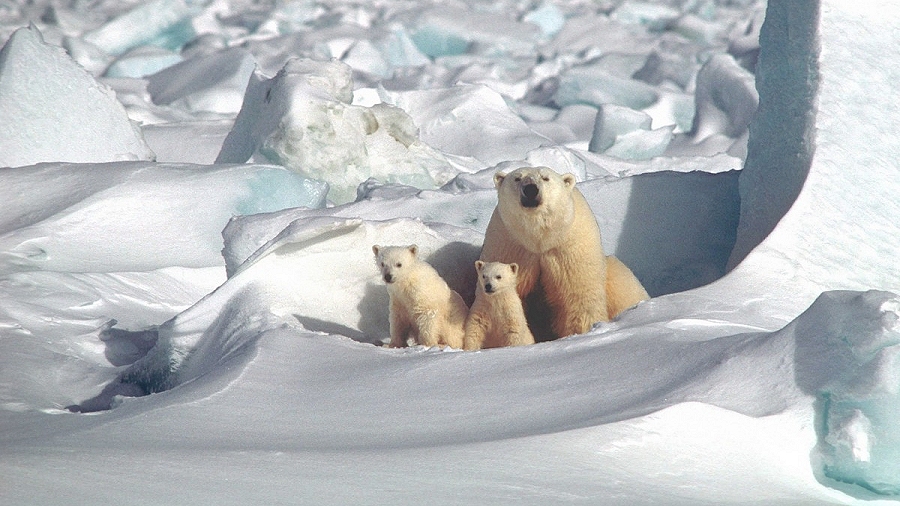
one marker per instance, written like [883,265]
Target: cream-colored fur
[543,223]
[422,305]
[497,317]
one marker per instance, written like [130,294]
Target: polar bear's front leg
[575,291]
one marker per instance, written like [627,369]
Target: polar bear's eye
[545,178]
[518,179]
[399,265]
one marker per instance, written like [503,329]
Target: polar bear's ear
[375,249]
[498,179]
[569,180]
[514,267]
[479,265]
[413,249]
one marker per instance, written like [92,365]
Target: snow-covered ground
[190,311]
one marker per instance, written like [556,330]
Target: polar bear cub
[497,317]
[422,304]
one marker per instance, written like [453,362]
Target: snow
[205,327]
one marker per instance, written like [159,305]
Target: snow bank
[62,115]
[303,119]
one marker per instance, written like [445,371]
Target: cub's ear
[375,249]
[569,180]
[413,249]
[479,265]
[498,179]
[514,267]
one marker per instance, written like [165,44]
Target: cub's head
[394,261]
[532,187]
[496,276]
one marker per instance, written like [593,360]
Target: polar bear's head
[536,205]
[496,276]
[394,261]
[534,186]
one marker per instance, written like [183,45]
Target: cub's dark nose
[388,278]
[488,288]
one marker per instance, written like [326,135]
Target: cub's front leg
[400,326]
[428,329]
[476,330]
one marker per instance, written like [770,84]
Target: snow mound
[282,282]
[303,119]
[62,115]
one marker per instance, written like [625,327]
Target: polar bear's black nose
[388,278]
[530,193]
[488,288]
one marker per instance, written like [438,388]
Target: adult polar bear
[543,223]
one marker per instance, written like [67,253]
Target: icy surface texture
[64,115]
[854,364]
[303,119]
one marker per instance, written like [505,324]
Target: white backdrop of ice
[710,396]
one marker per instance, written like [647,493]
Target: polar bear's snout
[530,194]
